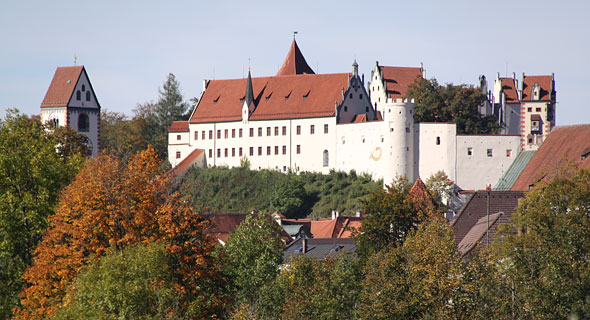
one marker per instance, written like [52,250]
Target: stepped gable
[397,79]
[545,82]
[294,62]
[477,207]
[509,88]
[564,144]
[285,97]
[62,86]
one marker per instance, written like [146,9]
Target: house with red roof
[70,101]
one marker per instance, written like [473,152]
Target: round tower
[399,139]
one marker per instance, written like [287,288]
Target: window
[218,134]
[268,131]
[529,109]
[268,150]
[210,134]
[284,149]
[233,133]
[196,135]
[298,130]
[210,153]
[218,153]
[312,129]
[530,140]
[225,152]
[276,150]
[225,134]
[438,141]
[87,95]
[251,132]
[240,152]
[260,132]
[508,153]
[259,151]
[326,158]
[284,130]
[350,96]
[83,123]
[240,133]
[360,96]
[298,149]
[345,109]
[407,130]
[177,154]
[177,137]
[535,126]
[276,131]
[325,128]
[490,153]
[83,88]
[469,151]
[203,135]
[538,109]
[233,152]
[366,109]
[78,95]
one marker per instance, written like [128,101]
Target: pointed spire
[294,62]
[355,68]
[249,91]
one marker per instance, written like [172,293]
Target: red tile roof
[543,81]
[180,169]
[294,63]
[339,227]
[563,144]
[420,195]
[224,224]
[509,88]
[397,80]
[62,86]
[477,233]
[360,118]
[178,126]
[295,96]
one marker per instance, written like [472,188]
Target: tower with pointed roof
[248,106]
[294,62]
[71,101]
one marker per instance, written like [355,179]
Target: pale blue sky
[129,47]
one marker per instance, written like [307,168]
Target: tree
[390,216]
[31,176]
[134,283]
[451,103]
[254,254]
[70,143]
[288,196]
[543,257]
[120,136]
[439,188]
[112,204]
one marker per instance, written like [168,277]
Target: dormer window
[216,99]
[585,155]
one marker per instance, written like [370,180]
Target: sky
[130,47]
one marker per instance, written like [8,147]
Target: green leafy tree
[70,143]
[439,188]
[133,283]
[288,196]
[254,254]
[120,136]
[451,103]
[31,176]
[390,216]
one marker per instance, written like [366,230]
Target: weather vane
[248,64]
[294,34]
[75,59]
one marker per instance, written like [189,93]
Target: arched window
[78,95]
[326,158]
[87,95]
[83,88]
[83,123]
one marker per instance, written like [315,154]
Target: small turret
[248,105]
[355,68]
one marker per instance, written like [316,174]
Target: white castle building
[71,101]
[301,121]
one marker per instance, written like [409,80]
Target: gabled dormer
[249,105]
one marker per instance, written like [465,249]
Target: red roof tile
[509,88]
[178,126]
[397,80]
[224,224]
[543,81]
[563,144]
[297,96]
[62,86]
[294,63]
[340,227]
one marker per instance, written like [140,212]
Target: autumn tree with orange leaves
[111,205]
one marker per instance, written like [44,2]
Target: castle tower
[71,101]
[399,139]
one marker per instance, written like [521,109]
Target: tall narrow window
[260,132]
[196,135]
[259,151]
[210,153]
[240,133]
[225,133]
[233,133]
[177,137]
[251,151]
[437,141]
[268,131]
[298,130]
[284,130]
[225,152]
[78,95]
[177,154]
[325,128]
[233,152]
[284,149]
[218,153]
[83,88]
[251,132]
[210,134]
[87,95]
[203,135]
[268,150]
[312,129]
[469,151]
[83,124]
[276,150]
[276,131]
[490,152]
[218,134]
[240,152]
[298,149]
[326,158]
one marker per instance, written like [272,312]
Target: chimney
[304,245]
[358,214]
[333,214]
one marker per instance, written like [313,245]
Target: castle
[301,121]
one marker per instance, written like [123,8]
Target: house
[477,222]
[335,227]
[71,101]
[224,224]
[318,248]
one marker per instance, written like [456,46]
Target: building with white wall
[71,101]
[301,121]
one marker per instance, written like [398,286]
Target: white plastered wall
[437,145]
